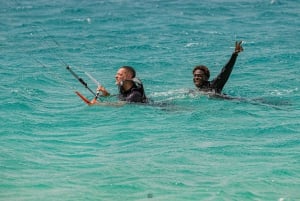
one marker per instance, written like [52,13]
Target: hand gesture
[238,47]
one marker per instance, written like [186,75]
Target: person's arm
[104,93]
[103,90]
[219,82]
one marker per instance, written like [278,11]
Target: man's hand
[103,90]
[238,47]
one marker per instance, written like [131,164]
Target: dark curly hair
[204,69]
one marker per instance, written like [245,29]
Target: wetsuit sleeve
[135,96]
[218,83]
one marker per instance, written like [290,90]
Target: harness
[137,86]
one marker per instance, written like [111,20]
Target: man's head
[201,74]
[124,73]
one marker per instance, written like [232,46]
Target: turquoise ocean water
[191,147]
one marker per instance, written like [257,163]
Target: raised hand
[238,47]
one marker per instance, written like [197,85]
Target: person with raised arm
[201,74]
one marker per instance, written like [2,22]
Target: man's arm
[219,82]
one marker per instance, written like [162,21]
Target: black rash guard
[216,85]
[135,94]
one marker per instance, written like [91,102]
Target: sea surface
[184,146]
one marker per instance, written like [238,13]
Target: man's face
[199,77]
[121,76]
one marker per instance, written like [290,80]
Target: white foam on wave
[283,92]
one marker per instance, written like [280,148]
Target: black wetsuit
[216,85]
[135,94]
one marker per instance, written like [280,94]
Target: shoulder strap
[137,82]
[140,86]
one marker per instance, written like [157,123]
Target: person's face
[199,77]
[121,76]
